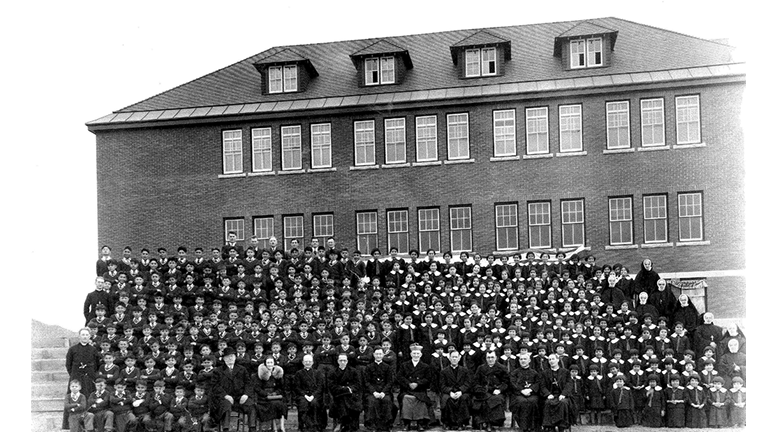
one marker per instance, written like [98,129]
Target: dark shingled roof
[585,28]
[480,38]
[382,47]
[641,48]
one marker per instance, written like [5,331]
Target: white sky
[66,63]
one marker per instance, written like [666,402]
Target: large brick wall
[159,186]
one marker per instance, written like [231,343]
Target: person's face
[231,237]
[491,358]
[415,355]
[84,336]
[647,264]
[733,345]
[708,318]
[229,360]
[342,361]
[273,241]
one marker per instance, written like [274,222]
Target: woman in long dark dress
[268,384]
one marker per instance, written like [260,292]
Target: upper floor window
[688,124]
[364,142]
[379,70]
[621,222]
[367,230]
[461,229]
[537,130]
[232,149]
[480,62]
[585,53]
[291,146]
[655,223]
[652,122]
[506,226]
[321,145]
[618,132]
[323,226]
[570,125]
[261,142]
[458,136]
[572,223]
[395,140]
[429,229]
[426,139]
[504,133]
[293,228]
[282,78]
[398,231]
[539,224]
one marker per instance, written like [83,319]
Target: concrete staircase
[48,376]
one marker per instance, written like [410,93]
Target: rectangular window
[232,148]
[264,228]
[461,229]
[570,125]
[291,146]
[537,130]
[572,223]
[577,53]
[594,49]
[261,143]
[480,62]
[652,122]
[618,130]
[654,208]
[539,224]
[506,226]
[398,231]
[235,225]
[293,228]
[282,78]
[458,136]
[367,231]
[364,142]
[426,139]
[323,227]
[428,229]
[688,124]
[321,145]
[690,216]
[395,140]
[379,70]
[585,53]
[621,221]
[504,133]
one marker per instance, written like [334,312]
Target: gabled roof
[642,49]
[379,47]
[585,28]
[285,56]
[480,38]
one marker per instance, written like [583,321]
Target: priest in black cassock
[489,390]
[555,388]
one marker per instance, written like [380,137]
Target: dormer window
[585,53]
[379,70]
[283,79]
[481,62]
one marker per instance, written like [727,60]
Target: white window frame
[618,119]
[282,79]
[426,138]
[295,231]
[364,141]
[458,135]
[687,212]
[654,209]
[398,230]
[395,141]
[572,217]
[428,225]
[232,151]
[379,70]
[504,133]
[652,118]
[237,225]
[592,49]
[506,223]
[291,145]
[323,226]
[570,128]
[539,220]
[621,214]
[582,53]
[460,228]
[261,149]
[366,230]
[688,118]
[479,62]
[264,228]
[321,145]
[537,130]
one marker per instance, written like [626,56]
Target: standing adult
[99,296]
[687,314]
[707,334]
[231,243]
[105,257]
[81,363]
[647,278]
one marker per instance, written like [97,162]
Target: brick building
[605,133]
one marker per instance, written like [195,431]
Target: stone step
[41,405]
[50,376]
[48,390]
[46,421]
[49,364]
[49,353]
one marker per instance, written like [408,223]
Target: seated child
[98,408]
[75,406]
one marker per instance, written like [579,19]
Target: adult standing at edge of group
[105,257]
[232,243]
[81,362]
[647,278]
[99,296]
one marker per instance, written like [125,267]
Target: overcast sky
[77,61]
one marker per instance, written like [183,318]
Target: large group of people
[181,342]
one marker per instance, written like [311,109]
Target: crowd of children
[559,341]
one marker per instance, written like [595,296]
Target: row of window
[570,120]
[621,225]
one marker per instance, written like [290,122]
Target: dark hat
[228,351]
[99,380]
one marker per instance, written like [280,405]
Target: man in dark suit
[232,391]
[231,243]
[378,380]
[309,389]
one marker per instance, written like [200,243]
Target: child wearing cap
[654,408]
[622,402]
[738,397]
[718,403]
